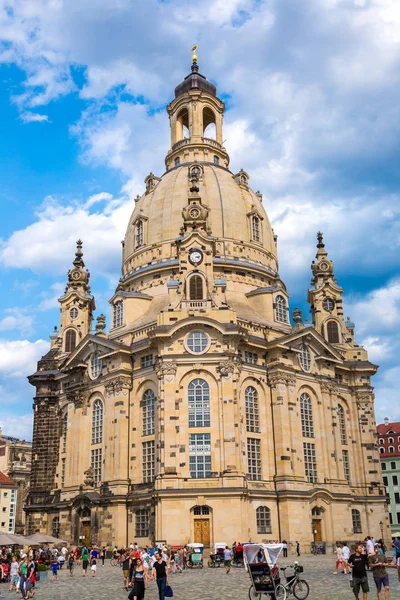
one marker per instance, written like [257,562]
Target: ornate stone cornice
[226,368]
[281,379]
[166,369]
[118,386]
[329,388]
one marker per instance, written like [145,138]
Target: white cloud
[18,358]
[20,426]
[29,117]
[17,320]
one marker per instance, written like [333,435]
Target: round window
[197,342]
[305,358]
[73,313]
[329,304]
[95,365]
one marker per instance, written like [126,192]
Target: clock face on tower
[76,275]
[195,257]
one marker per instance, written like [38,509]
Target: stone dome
[231,205]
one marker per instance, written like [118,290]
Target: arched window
[70,340]
[201,510]
[381,450]
[118,313]
[97,422]
[251,402]
[182,125]
[95,365]
[255,228]
[177,161]
[209,128]
[263,519]
[55,527]
[307,424]
[199,403]
[391,440]
[332,331]
[356,519]
[342,424]
[64,432]
[196,288]
[216,160]
[280,309]
[305,358]
[382,441]
[391,449]
[139,233]
[148,403]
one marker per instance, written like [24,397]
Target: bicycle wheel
[301,589]
[280,592]
[253,595]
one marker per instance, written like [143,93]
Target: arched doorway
[316,523]
[82,521]
[202,525]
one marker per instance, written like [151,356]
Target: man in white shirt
[346,556]
[370,546]
[227,559]
[64,551]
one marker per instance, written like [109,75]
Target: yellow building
[204,415]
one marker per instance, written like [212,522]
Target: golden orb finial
[194,55]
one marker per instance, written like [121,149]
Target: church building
[203,414]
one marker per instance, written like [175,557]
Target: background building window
[305,358]
[199,403]
[197,342]
[383,466]
[97,422]
[96,460]
[55,527]
[200,455]
[342,424]
[263,519]
[148,464]
[356,519]
[70,340]
[251,403]
[196,288]
[254,459]
[392,465]
[255,228]
[385,480]
[148,403]
[307,422]
[142,523]
[310,462]
[332,330]
[118,314]
[280,309]
[346,465]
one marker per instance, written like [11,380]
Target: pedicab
[217,556]
[260,561]
[195,558]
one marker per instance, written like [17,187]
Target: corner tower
[76,306]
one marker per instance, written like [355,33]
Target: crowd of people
[369,555]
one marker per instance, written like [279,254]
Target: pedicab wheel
[201,565]
[189,564]
[253,595]
[280,592]
[301,589]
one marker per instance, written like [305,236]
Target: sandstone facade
[203,414]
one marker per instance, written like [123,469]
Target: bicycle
[294,585]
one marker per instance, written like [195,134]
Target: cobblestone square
[204,584]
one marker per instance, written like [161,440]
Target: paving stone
[202,584]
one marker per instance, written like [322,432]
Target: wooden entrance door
[86,533]
[316,525]
[202,532]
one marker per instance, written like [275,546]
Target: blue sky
[312,115]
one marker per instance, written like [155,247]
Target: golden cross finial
[194,55]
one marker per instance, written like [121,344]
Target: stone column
[168,429]
[229,371]
[283,386]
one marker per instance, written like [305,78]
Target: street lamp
[381,526]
